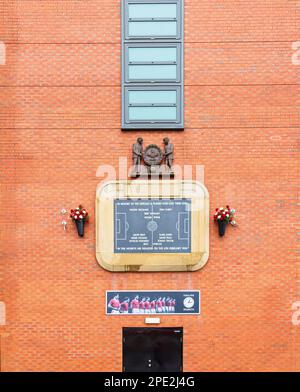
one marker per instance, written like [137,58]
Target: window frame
[143,45]
[150,123]
[127,20]
[153,84]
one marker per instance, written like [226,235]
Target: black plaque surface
[152,226]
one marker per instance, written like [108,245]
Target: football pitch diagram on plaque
[152,225]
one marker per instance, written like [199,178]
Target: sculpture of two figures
[153,157]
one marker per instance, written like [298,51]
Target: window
[148,63]
[152,72]
[153,19]
[153,105]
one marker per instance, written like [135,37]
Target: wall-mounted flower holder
[223,216]
[79,216]
[222,227]
[80,227]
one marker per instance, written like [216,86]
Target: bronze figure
[137,153]
[169,152]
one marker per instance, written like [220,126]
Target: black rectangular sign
[149,303]
[152,226]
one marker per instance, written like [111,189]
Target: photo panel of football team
[152,302]
[141,305]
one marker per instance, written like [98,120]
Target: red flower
[224,214]
[79,213]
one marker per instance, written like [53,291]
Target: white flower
[219,217]
[221,208]
[80,216]
[232,210]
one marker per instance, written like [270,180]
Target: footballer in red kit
[159,305]
[142,305]
[153,306]
[173,305]
[135,305]
[169,304]
[147,305]
[124,306]
[114,304]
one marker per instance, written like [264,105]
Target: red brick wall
[60,109]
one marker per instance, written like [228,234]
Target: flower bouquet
[223,216]
[79,216]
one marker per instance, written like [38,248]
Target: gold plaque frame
[140,262]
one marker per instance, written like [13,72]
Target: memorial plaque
[152,226]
